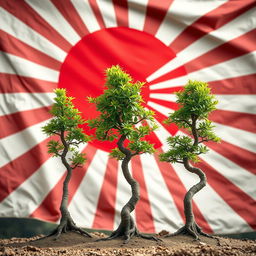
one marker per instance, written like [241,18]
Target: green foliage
[181,147]
[121,109]
[77,159]
[65,124]
[116,153]
[195,102]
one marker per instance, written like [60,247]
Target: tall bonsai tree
[121,113]
[65,126]
[195,102]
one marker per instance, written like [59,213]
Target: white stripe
[84,203]
[52,16]
[16,102]
[12,64]
[211,205]
[240,138]
[108,12]
[164,96]
[164,110]
[231,30]
[30,194]
[241,66]
[19,143]
[21,31]
[164,210]
[136,13]
[237,103]
[123,194]
[181,14]
[242,178]
[86,14]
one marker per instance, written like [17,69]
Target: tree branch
[75,166]
[144,118]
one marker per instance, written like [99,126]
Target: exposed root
[128,234]
[192,230]
[65,226]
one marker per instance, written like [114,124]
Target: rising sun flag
[68,44]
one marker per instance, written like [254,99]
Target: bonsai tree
[121,113]
[65,126]
[195,102]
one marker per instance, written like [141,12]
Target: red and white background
[68,44]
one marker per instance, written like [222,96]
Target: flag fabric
[68,44]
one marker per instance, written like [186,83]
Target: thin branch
[76,165]
[76,143]
[203,140]
[134,123]
[185,121]
[56,133]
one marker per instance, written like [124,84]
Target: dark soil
[75,245]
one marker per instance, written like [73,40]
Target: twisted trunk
[191,227]
[66,222]
[127,227]
[192,191]
[127,222]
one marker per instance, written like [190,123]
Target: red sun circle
[82,73]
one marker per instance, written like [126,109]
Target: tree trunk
[66,222]
[192,191]
[127,227]
[127,222]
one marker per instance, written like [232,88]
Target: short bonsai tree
[195,102]
[65,126]
[122,117]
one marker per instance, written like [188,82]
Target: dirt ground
[75,245]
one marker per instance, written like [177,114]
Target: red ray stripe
[49,208]
[210,22]
[241,157]
[231,49]
[178,191]
[169,104]
[26,14]
[68,11]
[105,213]
[121,10]
[236,85]
[143,213]
[237,199]
[14,46]
[10,83]
[97,13]
[16,172]
[155,14]
[172,128]
[180,71]
[167,90]
[238,120]
[16,122]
